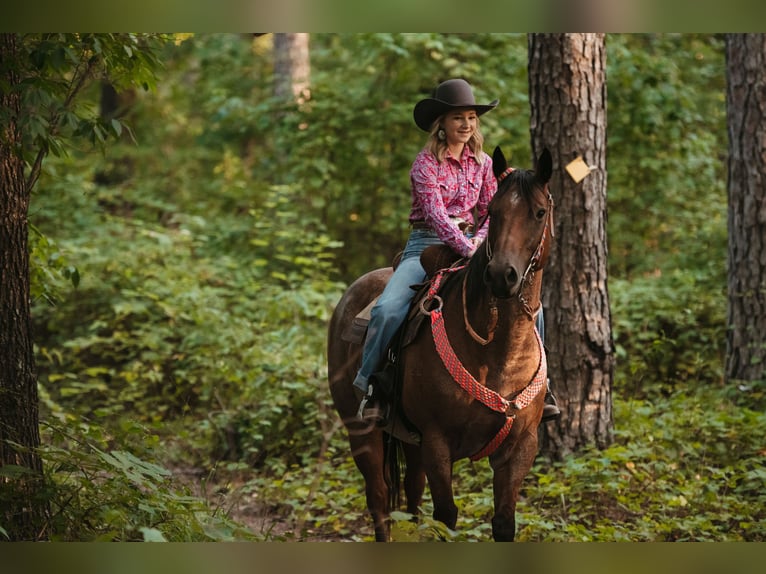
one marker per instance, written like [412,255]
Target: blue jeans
[392,306]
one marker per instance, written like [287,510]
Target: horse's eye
[540,213]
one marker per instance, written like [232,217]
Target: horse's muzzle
[503,279]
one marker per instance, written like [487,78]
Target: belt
[464,226]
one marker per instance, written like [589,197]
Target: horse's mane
[522,179]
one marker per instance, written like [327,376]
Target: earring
[441,134]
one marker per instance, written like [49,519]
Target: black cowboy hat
[448,95]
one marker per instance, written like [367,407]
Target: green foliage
[98,491]
[53,71]
[667,208]
[163,339]
[667,148]
[668,330]
[672,475]
[52,272]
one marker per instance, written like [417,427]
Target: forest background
[183,281]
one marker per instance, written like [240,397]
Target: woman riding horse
[452,184]
[469,387]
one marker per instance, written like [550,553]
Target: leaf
[74,275]
[152,535]
[117,127]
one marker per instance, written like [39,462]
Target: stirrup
[550,412]
[363,402]
[550,408]
[375,413]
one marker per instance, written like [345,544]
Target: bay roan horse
[488,312]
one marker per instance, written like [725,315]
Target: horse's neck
[515,323]
[513,313]
[514,352]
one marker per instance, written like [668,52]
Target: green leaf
[74,275]
[117,127]
[152,535]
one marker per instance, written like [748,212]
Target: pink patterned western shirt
[451,190]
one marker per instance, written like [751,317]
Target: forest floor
[232,493]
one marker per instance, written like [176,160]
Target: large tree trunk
[292,69]
[567,91]
[746,118]
[22,514]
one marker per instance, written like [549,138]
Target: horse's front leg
[509,470]
[437,464]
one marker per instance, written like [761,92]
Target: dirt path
[232,494]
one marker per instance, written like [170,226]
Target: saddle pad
[355,332]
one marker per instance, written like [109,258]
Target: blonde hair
[439,147]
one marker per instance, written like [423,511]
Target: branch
[75,86]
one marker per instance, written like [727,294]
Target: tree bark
[22,511]
[292,68]
[746,119]
[567,91]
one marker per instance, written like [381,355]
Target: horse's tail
[394,462]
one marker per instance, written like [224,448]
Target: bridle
[534,261]
[532,266]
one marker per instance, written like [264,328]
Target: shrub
[669,331]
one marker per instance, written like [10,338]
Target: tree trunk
[746,119]
[22,512]
[292,69]
[567,92]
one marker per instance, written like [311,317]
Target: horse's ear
[499,163]
[544,167]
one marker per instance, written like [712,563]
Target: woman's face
[459,125]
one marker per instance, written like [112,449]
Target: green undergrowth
[686,468]
[98,489]
[689,467]
[207,333]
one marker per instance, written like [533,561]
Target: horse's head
[520,224]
